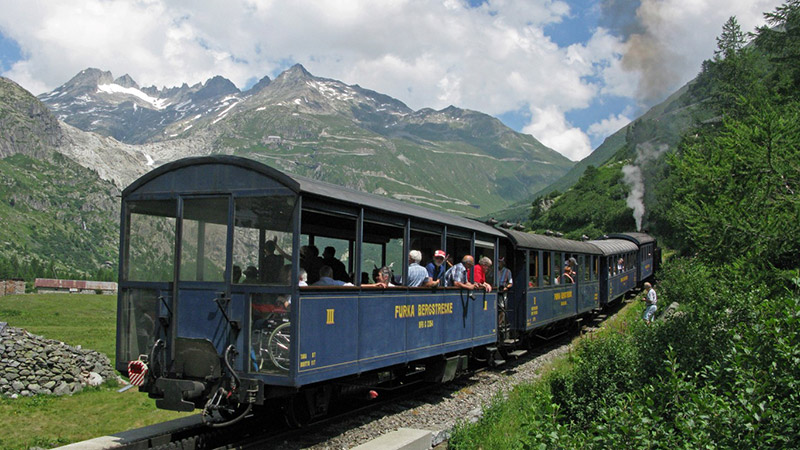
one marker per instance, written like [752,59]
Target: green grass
[47,421]
[505,422]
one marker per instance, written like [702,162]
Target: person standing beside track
[650,299]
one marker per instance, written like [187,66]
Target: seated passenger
[620,265]
[326,278]
[417,275]
[484,264]
[457,275]
[329,259]
[436,268]
[383,277]
[302,278]
[310,260]
[237,275]
[251,275]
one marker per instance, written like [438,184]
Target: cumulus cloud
[608,126]
[494,58]
[553,130]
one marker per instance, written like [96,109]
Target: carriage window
[587,267]
[457,248]
[533,269]
[151,242]
[205,234]
[262,240]
[596,273]
[486,249]
[382,246]
[140,323]
[427,242]
[557,265]
[546,269]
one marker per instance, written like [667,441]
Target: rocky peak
[216,87]
[87,80]
[126,81]
[262,83]
[295,75]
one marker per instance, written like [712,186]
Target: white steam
[632,176]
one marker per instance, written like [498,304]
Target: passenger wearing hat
[567,277]
[436,268]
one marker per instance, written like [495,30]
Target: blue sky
[568,72]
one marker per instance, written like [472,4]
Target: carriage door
[202,308]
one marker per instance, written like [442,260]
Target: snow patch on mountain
[113,88]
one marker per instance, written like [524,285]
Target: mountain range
[311,126]
[65,156]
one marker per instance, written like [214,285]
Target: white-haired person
[418,275]
[484,264]
[650,299]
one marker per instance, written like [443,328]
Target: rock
[94,379]
[62,389]
[25,393]
[75,388]
[34,387]
[17,386]
[49,385]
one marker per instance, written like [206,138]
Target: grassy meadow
[48,421]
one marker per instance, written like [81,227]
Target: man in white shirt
[651,299]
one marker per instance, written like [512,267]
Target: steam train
[192,334]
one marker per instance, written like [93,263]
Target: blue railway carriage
[199,335]
[543,294]
[647,257]
[618,267]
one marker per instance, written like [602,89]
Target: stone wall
[31,365]
[11,287]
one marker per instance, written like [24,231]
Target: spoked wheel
[278,345]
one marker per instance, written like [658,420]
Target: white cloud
[552,129]
[494,58]
[608,126]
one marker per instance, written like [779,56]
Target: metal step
[510,341]
[517,353]
[498,362]
[491,349]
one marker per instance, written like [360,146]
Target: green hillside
[57,219]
